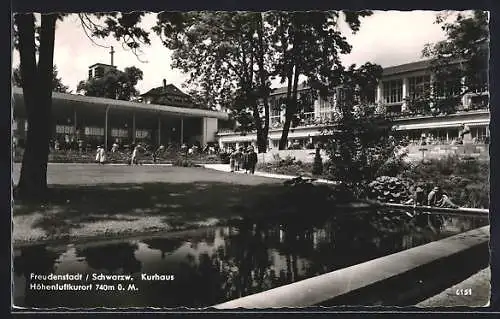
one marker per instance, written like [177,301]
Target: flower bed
[466,181]
[124,158]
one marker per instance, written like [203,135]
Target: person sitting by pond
[251,160]
[418,197]
[438,198]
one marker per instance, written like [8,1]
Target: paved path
[479,285]
[225,168]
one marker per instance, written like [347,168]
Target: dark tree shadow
[179,205]
[112,258]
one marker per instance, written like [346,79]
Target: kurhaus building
[398,83]
[164,115]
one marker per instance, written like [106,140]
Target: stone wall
[306,156]
[480,151]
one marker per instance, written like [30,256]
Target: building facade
[104,121]
[97,71]
[398,85]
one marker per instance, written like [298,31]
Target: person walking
[244,160]
[135,155]
[98,154]
[238,159]
[101,155]
[232,160]
[158,153]
[251,160]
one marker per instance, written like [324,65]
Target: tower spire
[112,52]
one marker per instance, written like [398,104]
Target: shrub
[287,161]
[318,163]
[389,189]
[302,195]
[224,158]
[393,167]
[465,181]
[184,162]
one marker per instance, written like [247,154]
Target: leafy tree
[361,142]
[237,54]
[365,80]
[34,39]
[57,85]
[459,63]
[309,44]
[115,84]
[225,53]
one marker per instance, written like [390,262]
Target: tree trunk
[262,140]
[37,91]
[291,109]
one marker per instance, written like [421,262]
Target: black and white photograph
[250,160]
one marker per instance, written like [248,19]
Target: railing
[274,120]
[308,116]
[326,116]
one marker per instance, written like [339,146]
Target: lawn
[93,201]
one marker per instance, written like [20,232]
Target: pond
[213,265]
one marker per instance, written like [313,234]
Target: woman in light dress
[101,155]
[135,154]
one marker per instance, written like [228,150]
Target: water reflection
[219,264]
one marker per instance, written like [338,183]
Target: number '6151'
[464,292]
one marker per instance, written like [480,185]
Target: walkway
[225,168]
[479,285]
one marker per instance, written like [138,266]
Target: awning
[443,124]
[127,105]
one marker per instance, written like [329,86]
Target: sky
[386,38]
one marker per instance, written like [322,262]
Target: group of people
[436,198]
[243,159]
[101,156]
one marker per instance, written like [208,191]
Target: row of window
[418,86]
[99,131]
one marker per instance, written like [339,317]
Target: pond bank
[350,283]
[117,227]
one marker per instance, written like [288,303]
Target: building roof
[283,89]
[168,89]
[407,67]
[99,102]
[103,64]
